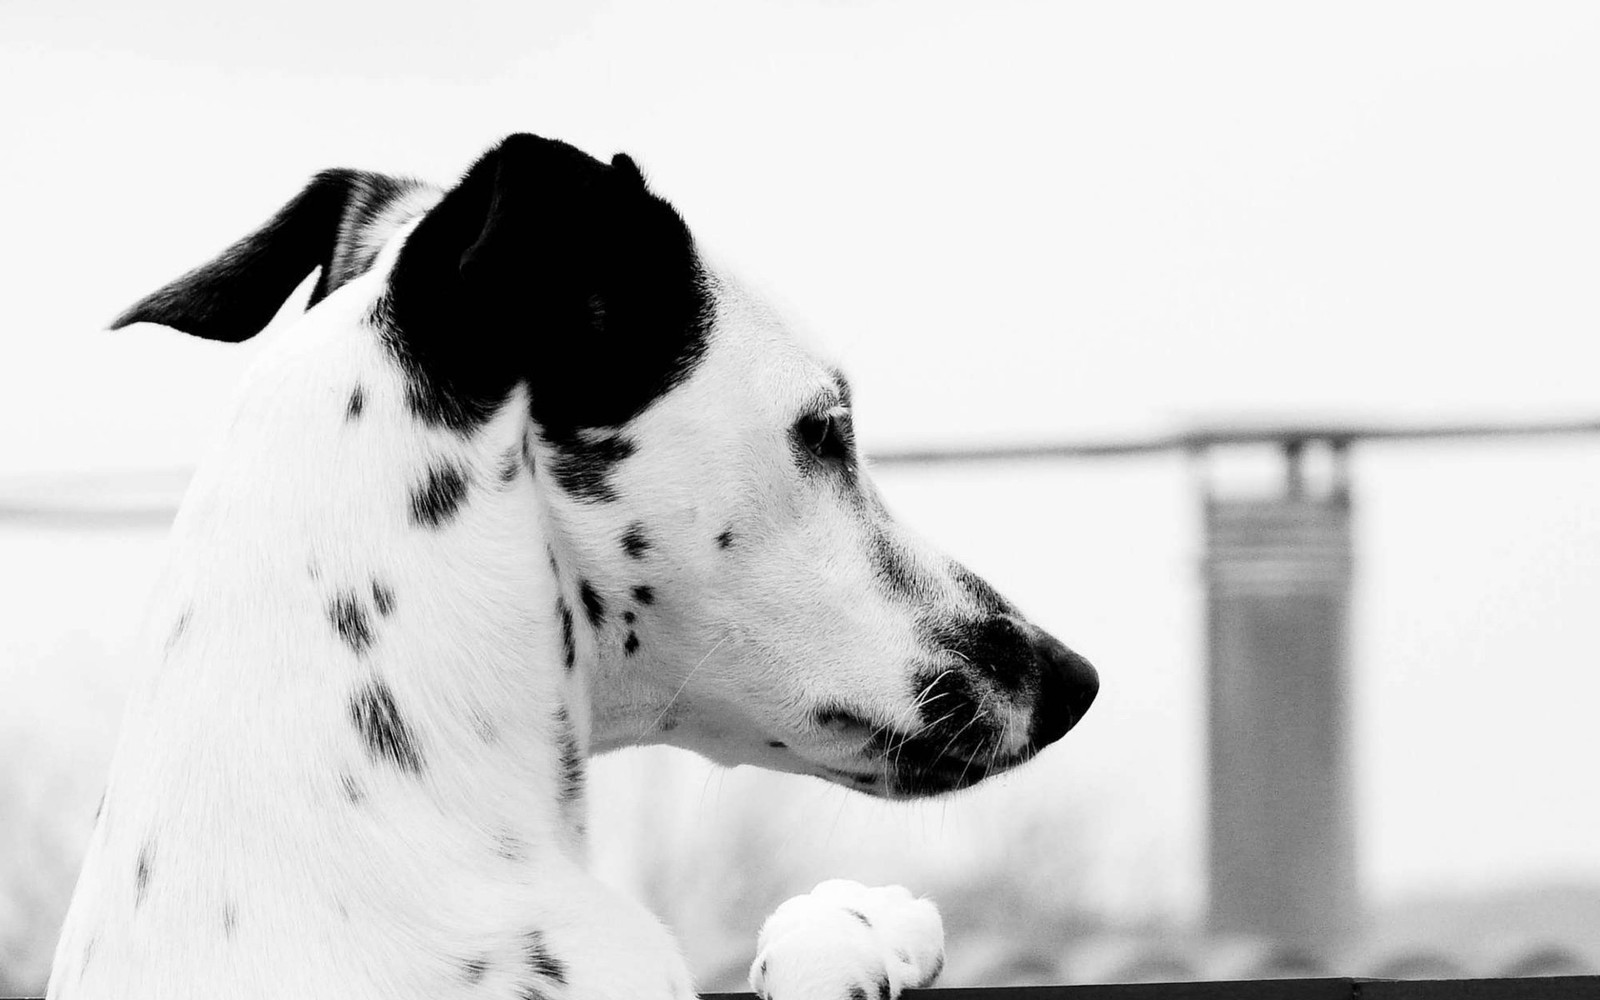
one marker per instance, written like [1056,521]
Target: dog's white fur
[250,845]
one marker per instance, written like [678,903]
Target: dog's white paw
[845,941]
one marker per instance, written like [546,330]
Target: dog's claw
[846,941]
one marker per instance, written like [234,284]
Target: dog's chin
[908,779]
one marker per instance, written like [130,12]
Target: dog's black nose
[1067,686]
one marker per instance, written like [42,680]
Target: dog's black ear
[233,296]
[548,266]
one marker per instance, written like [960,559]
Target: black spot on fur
[892,565]
[436,499]
[352,790]
[382,599]
[510,847]
[634,542]
[230,920]
[572,764]
[540,237]
[233,296]
[857,993]
[594,607]
[629,617]
[583,468]
[858,915]
[885,991]
[179,627]
[777,744]
[541,962]
[472,969]
[350,621]
[358,401]
[510,466]
[644,594]
[569,652]
[387,736]
[141,872]
[630,645]
[725,538]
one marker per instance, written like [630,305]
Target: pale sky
[1016,220]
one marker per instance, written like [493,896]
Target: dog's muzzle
[1017,690]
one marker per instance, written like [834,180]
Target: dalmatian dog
[529,481]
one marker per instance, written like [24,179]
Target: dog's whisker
[656,724]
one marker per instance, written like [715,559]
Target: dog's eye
[825,436]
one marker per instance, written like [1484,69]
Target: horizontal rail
[149,498]
[1547,988]
[1204,438]
[1551,988]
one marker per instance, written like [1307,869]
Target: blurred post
[1278,574]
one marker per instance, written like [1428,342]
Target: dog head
[740,587]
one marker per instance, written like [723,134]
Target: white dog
[530,481]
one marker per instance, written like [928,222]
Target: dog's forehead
[752,344]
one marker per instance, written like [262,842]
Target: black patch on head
[572,763]
[980,593]
[629,617]
[472,969]
[725,539]
[630,645]
[510,465]
[594,608]
[644,594]
[230,920]
[384,731]
[885,991]
[858,915]
[634,542]
[857,993]
[350,620]
[233,296]
[436,499]
[382,599]
[179,627]
[541,962]
[141,871]
[352,791]
[584,285]
[569,651]
[358,400]
[583,468]
[891,564]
